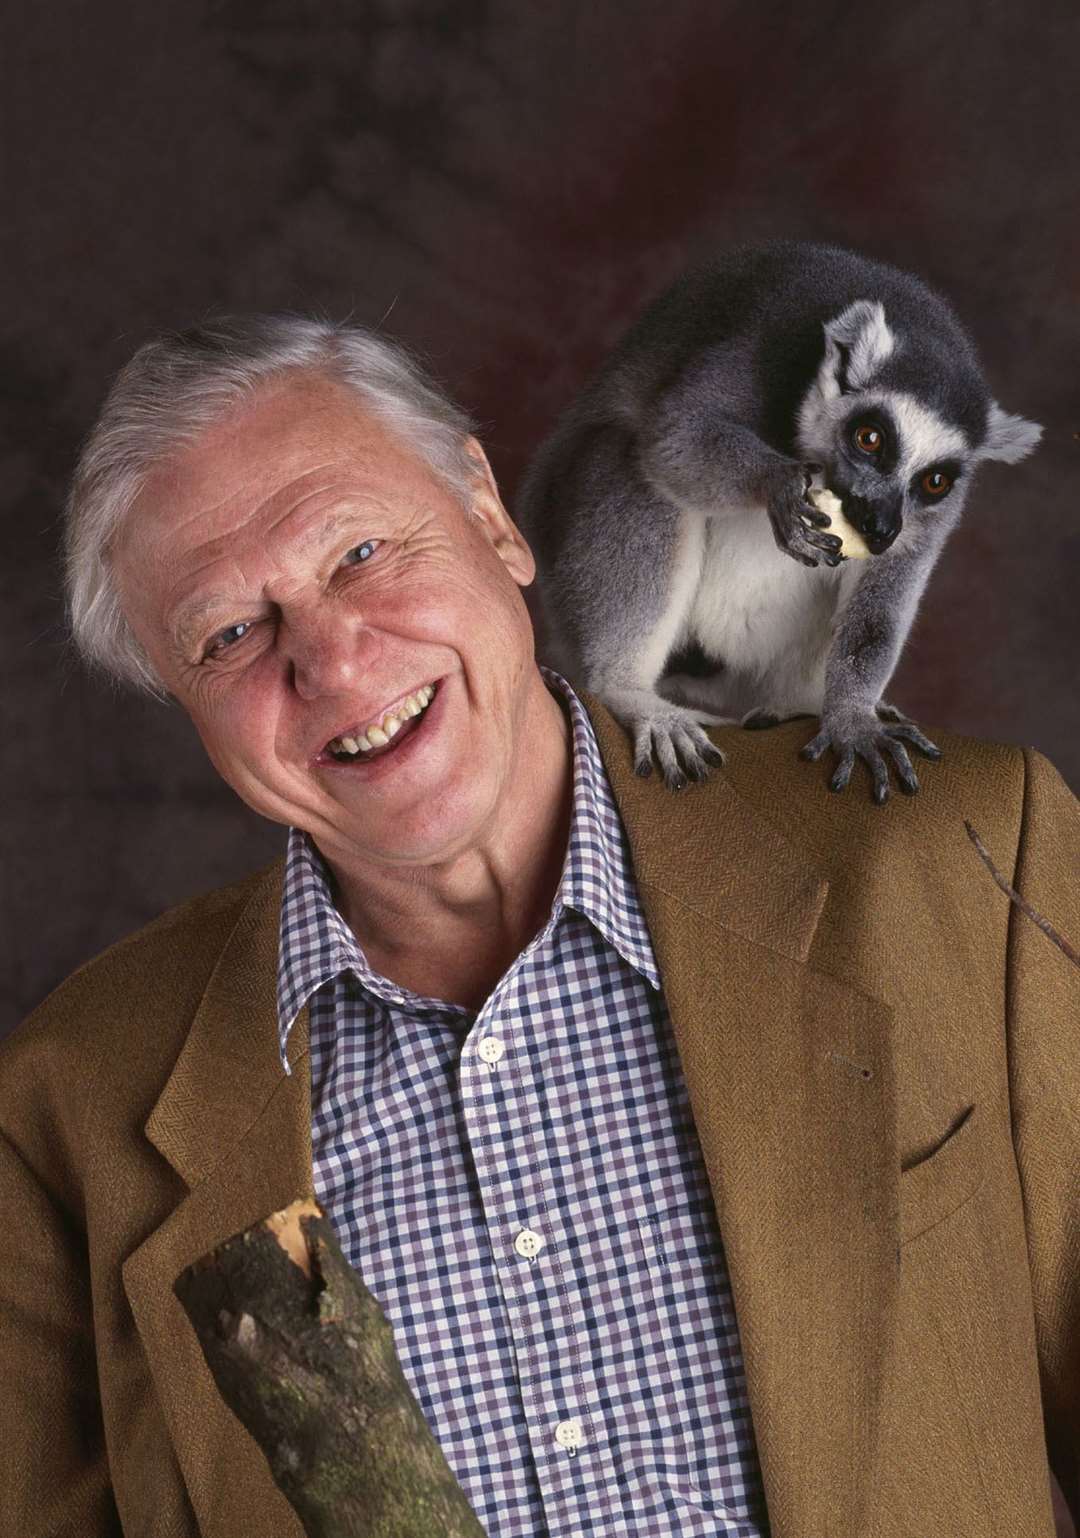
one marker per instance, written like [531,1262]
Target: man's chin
[431,831]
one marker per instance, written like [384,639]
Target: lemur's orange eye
[935,484]
[869,439]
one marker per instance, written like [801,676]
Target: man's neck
[451,931]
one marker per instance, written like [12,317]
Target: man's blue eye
[368,546]
[221,641]
[226,639]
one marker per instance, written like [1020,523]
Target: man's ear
[487,505]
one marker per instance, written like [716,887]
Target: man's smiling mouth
[376,735]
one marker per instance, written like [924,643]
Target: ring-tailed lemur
[668,511]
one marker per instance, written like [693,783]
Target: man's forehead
[209,531]
[295,469]
[187,616]
[278,434]
[291,444]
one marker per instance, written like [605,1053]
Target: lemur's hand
[790,509]
[866,734]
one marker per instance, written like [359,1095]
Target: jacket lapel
[789,1073]
[790,1080]
[238,1130]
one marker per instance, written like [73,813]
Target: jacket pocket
[943,1179]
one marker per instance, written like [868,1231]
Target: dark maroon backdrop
[504,186]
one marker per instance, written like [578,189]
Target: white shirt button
[491,1049]
[570,1434]
[528,1244]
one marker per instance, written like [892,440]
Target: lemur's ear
[1007,437]
[857,342]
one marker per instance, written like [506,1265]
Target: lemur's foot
[790,510]
[888,712]
[864,734]
[673,733]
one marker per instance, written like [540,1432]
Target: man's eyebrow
[189,621]
[191,618]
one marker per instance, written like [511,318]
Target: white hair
[178,384]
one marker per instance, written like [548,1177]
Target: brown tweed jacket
[883,1058]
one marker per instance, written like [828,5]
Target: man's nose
[327,652]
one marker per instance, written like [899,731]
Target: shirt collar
[597,881]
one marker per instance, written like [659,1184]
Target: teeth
[376,736]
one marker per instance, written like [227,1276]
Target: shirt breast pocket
[940,1182]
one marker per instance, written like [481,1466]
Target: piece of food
[854,547]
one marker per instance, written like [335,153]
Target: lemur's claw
[910,730]
[790,512]
[672,734]
[868,736]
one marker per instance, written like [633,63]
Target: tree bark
[303,1355]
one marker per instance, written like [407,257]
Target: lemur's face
[891,460]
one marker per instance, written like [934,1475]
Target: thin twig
[1024,906]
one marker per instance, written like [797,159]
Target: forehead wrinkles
[276,549]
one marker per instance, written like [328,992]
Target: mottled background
[504,187]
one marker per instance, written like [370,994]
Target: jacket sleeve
[1043,1025]
[54,1471]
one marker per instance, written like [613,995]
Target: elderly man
[712,1155]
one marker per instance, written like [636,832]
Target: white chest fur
[769,618]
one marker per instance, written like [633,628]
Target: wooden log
[304,1356]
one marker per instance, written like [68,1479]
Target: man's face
[292,575]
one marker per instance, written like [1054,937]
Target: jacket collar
[790,1081]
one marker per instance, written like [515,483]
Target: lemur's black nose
[878,522]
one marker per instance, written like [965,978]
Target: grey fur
[682,575]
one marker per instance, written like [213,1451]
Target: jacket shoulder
[84,1069]
[986,785]
[976,781]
